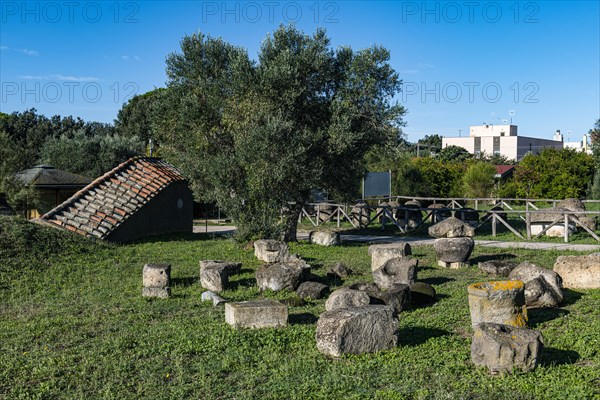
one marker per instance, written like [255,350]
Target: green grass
[73,324]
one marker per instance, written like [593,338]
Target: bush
[478,180]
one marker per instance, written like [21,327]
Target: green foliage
[79,328]
[135,117]
[554,174]
[454,153]
[256,135]
[478,180]
[428,177]
[20,197]
[89,156]
[594,134]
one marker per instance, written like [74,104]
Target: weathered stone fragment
[440,212]
[380,255]
[453,250]
[451,228]
[398,297]
[501,302]
[404,249]
[256,314]
[356,330]
[156,279]
[232,267]
[579,272]
[160,292]
[156,275]
[364,286]
[394,271]
[281,275]
[503,348]
[324,238]
[212,296]
[343,298]
[497,267]
[543,287]
[468,215]
[214,277]
[312,290]
[271,251]
[422,293]
[340,270]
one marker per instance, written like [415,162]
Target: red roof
[103,205]
[504,169]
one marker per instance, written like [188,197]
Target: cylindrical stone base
[156,275]
[502,302]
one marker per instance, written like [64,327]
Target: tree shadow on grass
[439,280]
[540,315]
[179,237]
[243,283]
[302,319]
[552,356]
[184,281]
[416,335]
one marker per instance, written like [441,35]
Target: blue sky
[462,63]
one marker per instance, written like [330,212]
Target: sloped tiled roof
[48,176]
[103,205]
[502,170]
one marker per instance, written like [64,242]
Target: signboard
[377,184]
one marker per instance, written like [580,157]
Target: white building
[583,145]
[502,140]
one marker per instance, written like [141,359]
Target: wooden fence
[363,215]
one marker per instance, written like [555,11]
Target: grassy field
[73,325]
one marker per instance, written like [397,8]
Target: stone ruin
[156,279]
[579,272]
[454,242]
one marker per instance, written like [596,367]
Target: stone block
[256,314]
[339,270]
[394,271]
[398,297]
[212,296]
[271,251]
[579,272]
[214,277]
[380,255]
[344,297]
[504,348]
[422,293]
[453,265]
[404,249]
[232,267]
[156,275]
[357,330]
[281,276]
[159,292]
[501,302]
[452,250]
[324,238]
[557,230]
[497,267]
[312,290]
[543,287]
[451,228]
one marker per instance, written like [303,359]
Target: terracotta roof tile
[100,207]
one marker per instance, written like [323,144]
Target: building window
[477,149]
[496,145]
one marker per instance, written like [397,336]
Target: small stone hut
[141,197]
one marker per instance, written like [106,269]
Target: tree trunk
[291,223]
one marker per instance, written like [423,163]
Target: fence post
[566,228]
[477,204]
[493,224]
[318,213]
[338,216]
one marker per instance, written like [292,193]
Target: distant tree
[431,144]
[454,153]
[554,174]
[89,156]
[257,135]
[497,159]
[478,180]
[594,134]
[135,117]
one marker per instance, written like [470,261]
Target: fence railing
[410,218]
